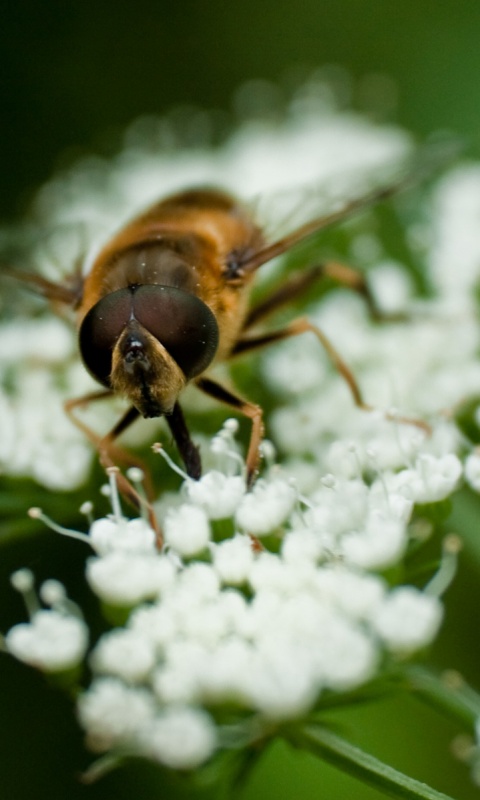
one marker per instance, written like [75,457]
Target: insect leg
[298,326]
[110,452]
[297,285]
[189,451]
[303,325]
[250,410]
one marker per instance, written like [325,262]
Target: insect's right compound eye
[100,330]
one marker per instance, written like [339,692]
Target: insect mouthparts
[134,353]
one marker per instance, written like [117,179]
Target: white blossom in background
[263,599]
[55,640]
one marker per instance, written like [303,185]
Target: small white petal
[125,579]
[52,642]
[266,507]
[233,559]
[472,471]
[125,654]
[380,545]
[218,494]
[113,713]
[180,738]
[347,657]
[186,529]
[282,683]
[109,535]
[301,546]
[408,619]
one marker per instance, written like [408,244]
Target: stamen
[268,452]
[353,449]
[112,473]
[380,475]
[53,594]
[37,513]
[394,416]
[158,449]
[223,445]
[437,586]
[87,510]
[23,582]
[137,476]
[329,481]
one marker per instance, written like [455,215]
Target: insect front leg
[250,410]
[189,451]
[110,453]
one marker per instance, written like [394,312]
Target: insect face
[146,342]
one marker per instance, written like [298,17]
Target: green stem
[351,759]
[447,693]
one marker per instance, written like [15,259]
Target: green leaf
[351,759]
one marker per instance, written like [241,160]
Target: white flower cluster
[266,600]
[55,640]
[38,370]
[267,620]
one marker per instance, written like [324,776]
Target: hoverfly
[168,296]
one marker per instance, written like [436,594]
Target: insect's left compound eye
[180,321]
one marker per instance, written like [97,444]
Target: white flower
[432,480]
[125,654]
[266,507]
[134,535]
[216,493]
[381,543]
[302,545]
[114,713]
[233,559]
[472,471]
[187,529]
[180,738]
[125,579]
[52,641]
[282,683]
[355,593]
[407,619]
[347,657]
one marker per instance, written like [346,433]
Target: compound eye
[100,330]
[182,322]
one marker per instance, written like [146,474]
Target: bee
[169,296]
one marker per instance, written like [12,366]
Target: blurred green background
[74,74]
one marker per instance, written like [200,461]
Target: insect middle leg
[298,326]
[303,325]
